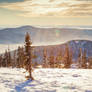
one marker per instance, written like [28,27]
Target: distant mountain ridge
[43,35]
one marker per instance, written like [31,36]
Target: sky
[45,12]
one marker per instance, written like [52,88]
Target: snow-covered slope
[46,80]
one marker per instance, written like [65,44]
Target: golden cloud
[36,8]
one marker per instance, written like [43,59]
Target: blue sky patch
[10,1]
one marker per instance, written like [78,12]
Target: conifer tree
[23,57]
[14,62]
[45,58]
[84,60]
[80,58]
[5,58]
[1,59]
[9,58]
[51,59]
[90,63]
[59,58]
[18,57]
[28,51]
[35,64]
[67,57]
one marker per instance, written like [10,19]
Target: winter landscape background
[45,45]
[49,38]
[60,79]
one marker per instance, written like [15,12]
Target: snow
[46,80]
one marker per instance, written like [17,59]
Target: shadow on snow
[21,87]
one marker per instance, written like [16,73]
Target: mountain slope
[73,45]
[41,36]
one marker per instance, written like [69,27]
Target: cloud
[38,8]
[51,0]
[82,9]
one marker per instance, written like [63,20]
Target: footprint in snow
[88,90]
[69,87]
[76,75]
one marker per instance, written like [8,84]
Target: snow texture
[46,80]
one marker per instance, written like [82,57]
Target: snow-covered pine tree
[28,51]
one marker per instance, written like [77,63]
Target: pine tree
[23,57]
[1,59]
[28,51]
[84,60]
[45,58]
[14,62]
[90,63]
[9,58]
[59,58]
[35,64]
[18,57]
[67,57]
[5,58]
[80,58]
[51,59]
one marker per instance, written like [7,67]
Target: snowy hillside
[46,80]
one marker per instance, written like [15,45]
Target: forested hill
[74,51]
[74,48]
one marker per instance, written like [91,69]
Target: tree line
[64,59]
